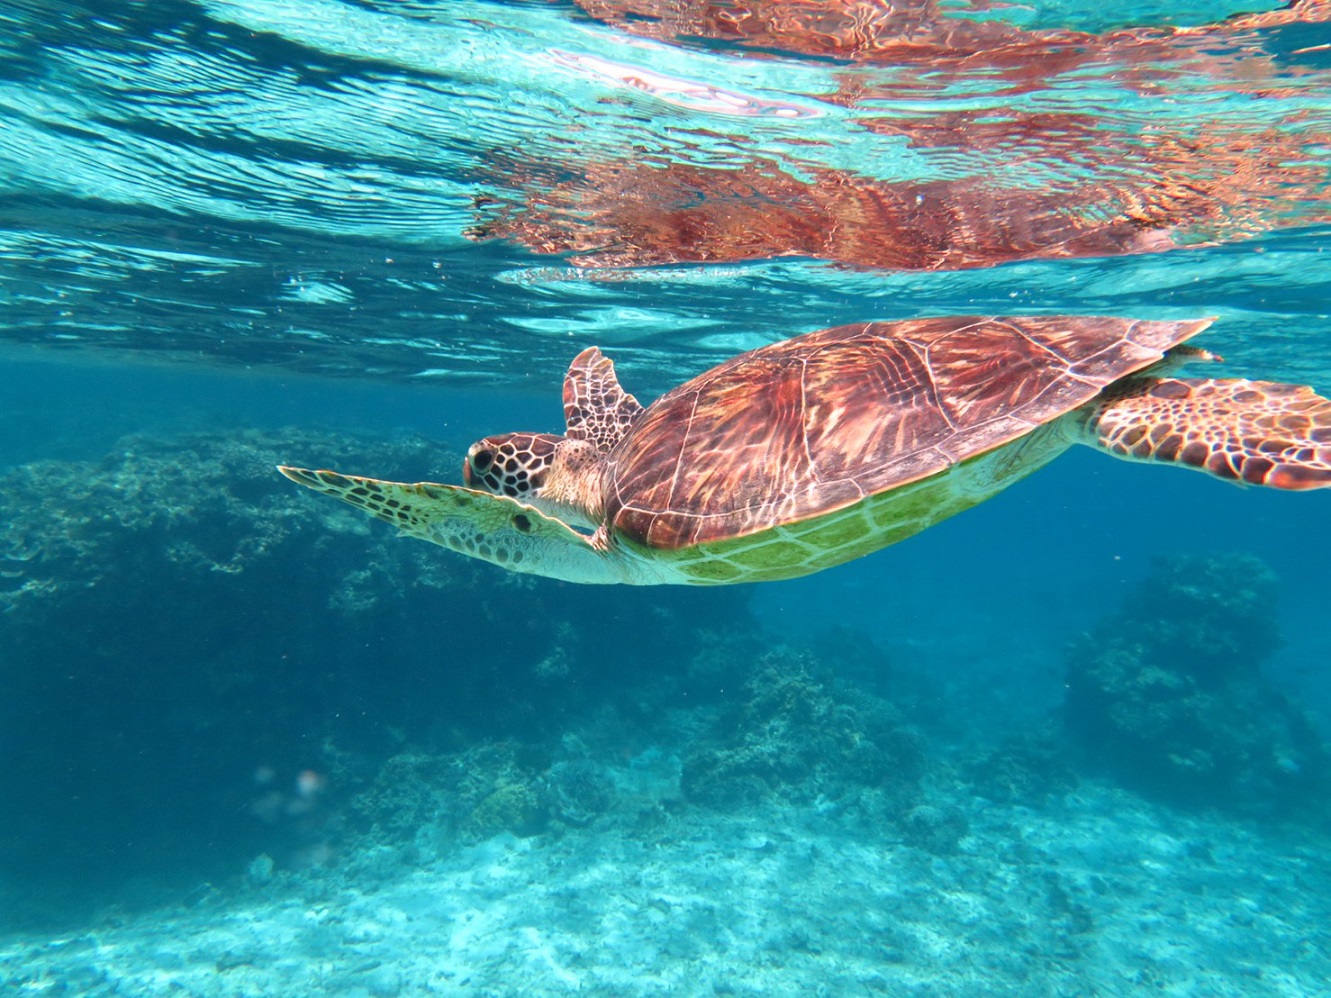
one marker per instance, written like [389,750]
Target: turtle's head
[510,464]
[558,475]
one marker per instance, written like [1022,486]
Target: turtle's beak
[466,472]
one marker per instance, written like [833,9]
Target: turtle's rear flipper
[494,528]
[1253,432]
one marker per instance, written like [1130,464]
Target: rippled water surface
[468,191]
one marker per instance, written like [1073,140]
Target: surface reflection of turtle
[810,452]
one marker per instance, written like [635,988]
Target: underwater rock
[1026,769]
[934,828]
[412,790]
[194,649]
[510,807]
[497,788]
[430,800]
[1168,694]
[578,790]
[799,737]
[1207,616]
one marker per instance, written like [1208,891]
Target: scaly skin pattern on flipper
[480,525]
[596,408]
[1250,432]
[800,429]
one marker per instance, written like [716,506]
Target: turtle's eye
[478,470]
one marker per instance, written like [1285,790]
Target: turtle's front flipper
[493,528]
[1253,432]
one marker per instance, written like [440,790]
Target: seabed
[1099,893]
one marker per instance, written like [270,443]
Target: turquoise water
[1073,742]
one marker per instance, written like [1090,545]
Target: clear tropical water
[253,745]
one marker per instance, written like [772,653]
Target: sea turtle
[810,452]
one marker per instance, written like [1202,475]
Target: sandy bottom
[1097,894]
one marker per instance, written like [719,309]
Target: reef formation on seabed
[356,763]
[1168,695]
[251,650]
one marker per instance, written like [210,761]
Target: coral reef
[431,801]
[509,807]
[578,790]
[1026,769]
[934,828]
[799,737]
[426,802]
[1168,694]
[410,791]
[187,635]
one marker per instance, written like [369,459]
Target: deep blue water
[230,229]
